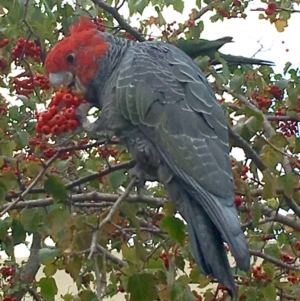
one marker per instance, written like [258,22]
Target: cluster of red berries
[165,257]
[259,273]
[9,298]
[293,278]
[170,28]
[286,258]
[26,48]
[275,91]
[262,101]
[3,65]
[56,122]
[7,271]
[100,25]
[270,10]
[8,168]
[297,245]
[288,127]
[25,86]
[105,152]
[3,108]
[244,172]
[4,42]
[48,150]
[238,200]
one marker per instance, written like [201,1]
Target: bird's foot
[140,175]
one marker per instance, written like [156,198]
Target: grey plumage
[156,100]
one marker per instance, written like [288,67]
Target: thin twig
[274,260]
[118,202]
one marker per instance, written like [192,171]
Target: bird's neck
[107,65]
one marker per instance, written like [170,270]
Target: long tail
[206,236]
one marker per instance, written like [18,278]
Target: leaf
[54,186]
[256,211]
[18,232]
[140,5]
[3,192]
[48,288]
[7,148]
[269,190]
[4,226]
[31,218]
[129,253]
[73,267]
[181,290]
[288,182]
[142,287]
[50,270]
[117,178]
[48,253]
[88,296]
[236,82]
[178,5]
[141,251]
[280,24]
[269,292]
[156,264]
[278,140]
[22,138]
[175,228]
[130,212]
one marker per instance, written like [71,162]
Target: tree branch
[121,21]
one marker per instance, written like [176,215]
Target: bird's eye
[70,58]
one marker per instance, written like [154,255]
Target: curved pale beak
[61,79]
[65,79]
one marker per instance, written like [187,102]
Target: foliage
[67,185]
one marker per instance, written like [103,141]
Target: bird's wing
[162,91]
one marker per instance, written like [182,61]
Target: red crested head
[76,57]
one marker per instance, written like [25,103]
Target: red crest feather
[84,23]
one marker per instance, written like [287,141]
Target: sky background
[248,36]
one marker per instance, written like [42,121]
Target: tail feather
[207,246]
[205,238]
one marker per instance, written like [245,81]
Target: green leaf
[269,190]
[88,296]
[175,228]
[269,292]
[256,211]
[46,253]
[22,138]
[142,287]
[54,186]
[117,178]
[129,253]
[7,148]
[140,5]
[3,192]
[181,290]
[278,140]
[130,212]
[156,264]
[236,82]
[287,67]
[288,182]
[50,269]
[18,232]
[178,5]
[48,288]
[31,218]
[4,226]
